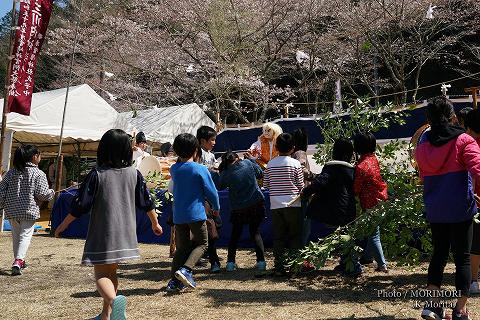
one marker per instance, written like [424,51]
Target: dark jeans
[476,239]
[458,237]
[189,251]
[306,223]
[255,236]
[287,233]
[212,251]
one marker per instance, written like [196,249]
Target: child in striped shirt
[284,179]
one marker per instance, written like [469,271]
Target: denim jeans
[374,248]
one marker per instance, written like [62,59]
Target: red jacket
[368,183]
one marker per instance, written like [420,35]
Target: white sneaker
[474,288]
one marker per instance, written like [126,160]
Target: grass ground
[55,286]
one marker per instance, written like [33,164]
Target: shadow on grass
[367,318]
[145,265]
[232,297]
[5,273]
[322,287]
[147,275]
[126,292]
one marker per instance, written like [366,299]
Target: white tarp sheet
[88,117]
[164,124]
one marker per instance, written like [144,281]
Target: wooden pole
[59,175]
[473,91]
[58,170]
[7,84]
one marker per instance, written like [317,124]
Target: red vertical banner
[33,21]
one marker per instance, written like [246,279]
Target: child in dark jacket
[333,200]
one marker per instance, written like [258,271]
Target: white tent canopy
[87,118]
[164,124]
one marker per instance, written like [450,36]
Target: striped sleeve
[284,180]
[266,178]
[299,178]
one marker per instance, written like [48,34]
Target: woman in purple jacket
[447,158]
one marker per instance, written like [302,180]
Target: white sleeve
[256,146]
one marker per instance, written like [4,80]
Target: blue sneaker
[215,268]
[186,277]
[231,266]
[174,285]
[119,308]
[261,266]
[261,269]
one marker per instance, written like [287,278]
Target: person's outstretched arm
[82,203]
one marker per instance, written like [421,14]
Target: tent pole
[68,90]
[7,84]
[59,155]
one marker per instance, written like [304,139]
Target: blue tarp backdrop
[242,138]
[79,227]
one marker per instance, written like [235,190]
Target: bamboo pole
[7,84]
[59,154]
[59,175]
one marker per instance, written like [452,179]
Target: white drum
[149,165]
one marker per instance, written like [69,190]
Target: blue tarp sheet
[79,227]
[242,138]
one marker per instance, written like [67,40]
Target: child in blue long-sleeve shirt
[192,184]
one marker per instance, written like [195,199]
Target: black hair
[198,155]
[472,120]
[462,115]
[342,150]
[114,150]
[440,111]
[301,139]
[228,158]
[285,143]
[140,137]
[364,142]
[24,154]
[206,132]
[165,149]
[185,145]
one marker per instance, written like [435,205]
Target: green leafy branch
[155,182]
[404,230]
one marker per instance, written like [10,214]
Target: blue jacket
[241,180]
[192,184]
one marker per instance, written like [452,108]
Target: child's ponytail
[24,154]
[228,158]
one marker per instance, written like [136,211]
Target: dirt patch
[55,286]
